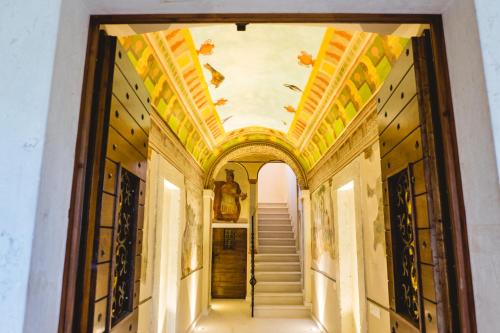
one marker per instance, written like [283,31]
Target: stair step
[277,241]
[276,234]
[272,204]
[277,287]
[273,266]
[276,257]
[277,276]
[277,249]
[280,227]
[278,210]
[274,216]
[279,299]
[282,311]
[274,221]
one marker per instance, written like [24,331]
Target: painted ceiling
[260,69]
[298,86]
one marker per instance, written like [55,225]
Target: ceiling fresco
[297,86]
[262,75]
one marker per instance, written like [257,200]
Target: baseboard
[316,320]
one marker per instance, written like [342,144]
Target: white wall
[277,183]
[477,154]
[32,30]
[273,183]
[38,119]
[189,308]
[167,302]
[488,12]
[348,277]
[370,264]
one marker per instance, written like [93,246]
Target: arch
[275,151]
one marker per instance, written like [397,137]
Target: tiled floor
[233,316]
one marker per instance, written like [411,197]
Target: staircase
[278,292]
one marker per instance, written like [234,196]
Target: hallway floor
[233,316]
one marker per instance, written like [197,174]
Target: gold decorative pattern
[403,245]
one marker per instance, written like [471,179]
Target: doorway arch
[273,152]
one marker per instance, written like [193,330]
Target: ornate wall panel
[192,235]
[401,210]
[323,243]
[407,194]
[110,244]
[125,237]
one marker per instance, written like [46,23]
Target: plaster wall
[39,105]
[189,308]
[277,183]
[168,301]
[325,306]
[273,183]
[369,245]
[488,12]
[38,128]
[473,117]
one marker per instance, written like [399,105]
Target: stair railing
[253,281]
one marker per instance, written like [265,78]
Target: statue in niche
[227,198]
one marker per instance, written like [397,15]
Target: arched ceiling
[217,87]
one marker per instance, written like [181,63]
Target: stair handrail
[253,280]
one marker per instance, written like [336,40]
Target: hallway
[307,190]
[231,316]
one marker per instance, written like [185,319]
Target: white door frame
[167,188]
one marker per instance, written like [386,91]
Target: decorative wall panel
[404,244]
[405,150]
[324,249]
[119,229]
[125,238]
[192,236]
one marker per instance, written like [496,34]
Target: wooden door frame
[460,248]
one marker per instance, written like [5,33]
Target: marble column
[208,196]
[306,218]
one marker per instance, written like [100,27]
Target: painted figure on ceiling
[227,198]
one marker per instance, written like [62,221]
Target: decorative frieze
[358,136]
[163,141]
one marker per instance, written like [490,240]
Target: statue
[227,198]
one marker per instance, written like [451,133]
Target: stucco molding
[173,73]
[164,142]
[360,134]
[356,49]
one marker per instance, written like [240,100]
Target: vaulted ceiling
[297,86]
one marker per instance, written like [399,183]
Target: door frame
[453,184]
[167,236]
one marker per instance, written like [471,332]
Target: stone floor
[233,316]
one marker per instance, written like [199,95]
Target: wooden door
[109,264]
[412,177]
[229,263]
